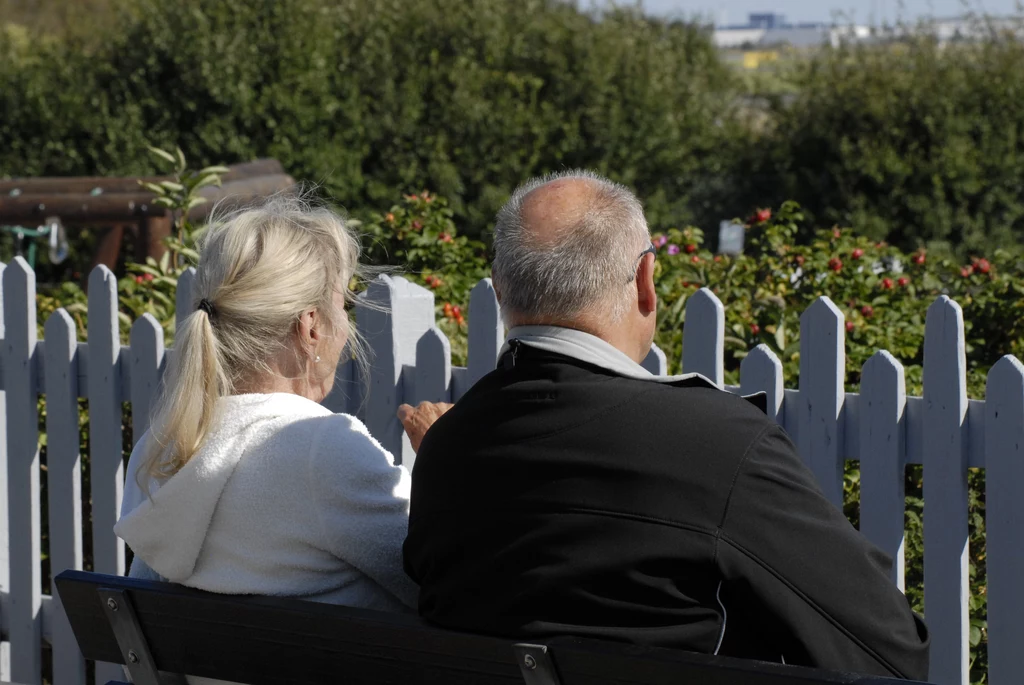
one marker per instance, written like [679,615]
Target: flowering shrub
[418,239]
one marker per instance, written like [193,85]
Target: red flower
[858,253]
[835,264]
[718,257]
[444,238]
[903,282]
[967,271]
[147,277]
[762,215]
[755,329]
[836,233]
[456,310]
[983,266]
[695,259]
[448,309]
[887,284]
[919,258]
[138,279]
[390,218]
[800,260]
[849,327]
[691,248]
[868,311]
[417,225]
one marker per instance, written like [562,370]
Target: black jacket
[558,498]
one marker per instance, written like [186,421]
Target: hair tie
[206,306]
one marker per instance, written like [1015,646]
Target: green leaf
[213,170]
[153,187]
[161,153]
[208,180]
[165,261]
[195,202]
[181,159]
[172,186]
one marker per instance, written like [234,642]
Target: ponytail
[194,382]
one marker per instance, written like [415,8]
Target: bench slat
[270,640]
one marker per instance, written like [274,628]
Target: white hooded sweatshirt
[283,498]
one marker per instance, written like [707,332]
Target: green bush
[910,142]
[373,97]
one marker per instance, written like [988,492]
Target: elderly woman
[245,484]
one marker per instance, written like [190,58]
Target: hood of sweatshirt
[167,529]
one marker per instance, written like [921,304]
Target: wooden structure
[152,627]
[881,428]
[121,204]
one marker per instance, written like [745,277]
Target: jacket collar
[589,348]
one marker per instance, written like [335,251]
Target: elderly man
[570,492]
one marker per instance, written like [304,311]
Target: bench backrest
[279,640]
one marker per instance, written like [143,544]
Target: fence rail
[880,427]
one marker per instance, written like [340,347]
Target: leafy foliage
[373,97]
[914,142]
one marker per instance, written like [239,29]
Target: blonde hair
[259,269]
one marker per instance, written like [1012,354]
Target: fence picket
[822,392]
[704,336]
[5,566]
[883,400]
[64,483]
[486,331]
[147,355]
[433,367]
[342,398]
[656,362]
[105,459]
[20,377]
[392,315]
[761,371]
[1004,518]
[944,441]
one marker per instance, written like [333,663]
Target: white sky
[862,11]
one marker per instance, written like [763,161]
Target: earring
[317,360]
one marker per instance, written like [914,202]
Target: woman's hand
[416,420]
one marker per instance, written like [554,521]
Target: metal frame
[134,648]
[535,664]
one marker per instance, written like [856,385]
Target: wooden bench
[155,627]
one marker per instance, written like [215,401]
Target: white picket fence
[881,427]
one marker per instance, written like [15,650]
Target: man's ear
[646,294]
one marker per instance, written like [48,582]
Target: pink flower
[673,249]
[660,241]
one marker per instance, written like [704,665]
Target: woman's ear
[308,328]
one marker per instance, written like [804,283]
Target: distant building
[767,21]
[767,30]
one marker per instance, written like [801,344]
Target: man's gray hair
[588,269]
